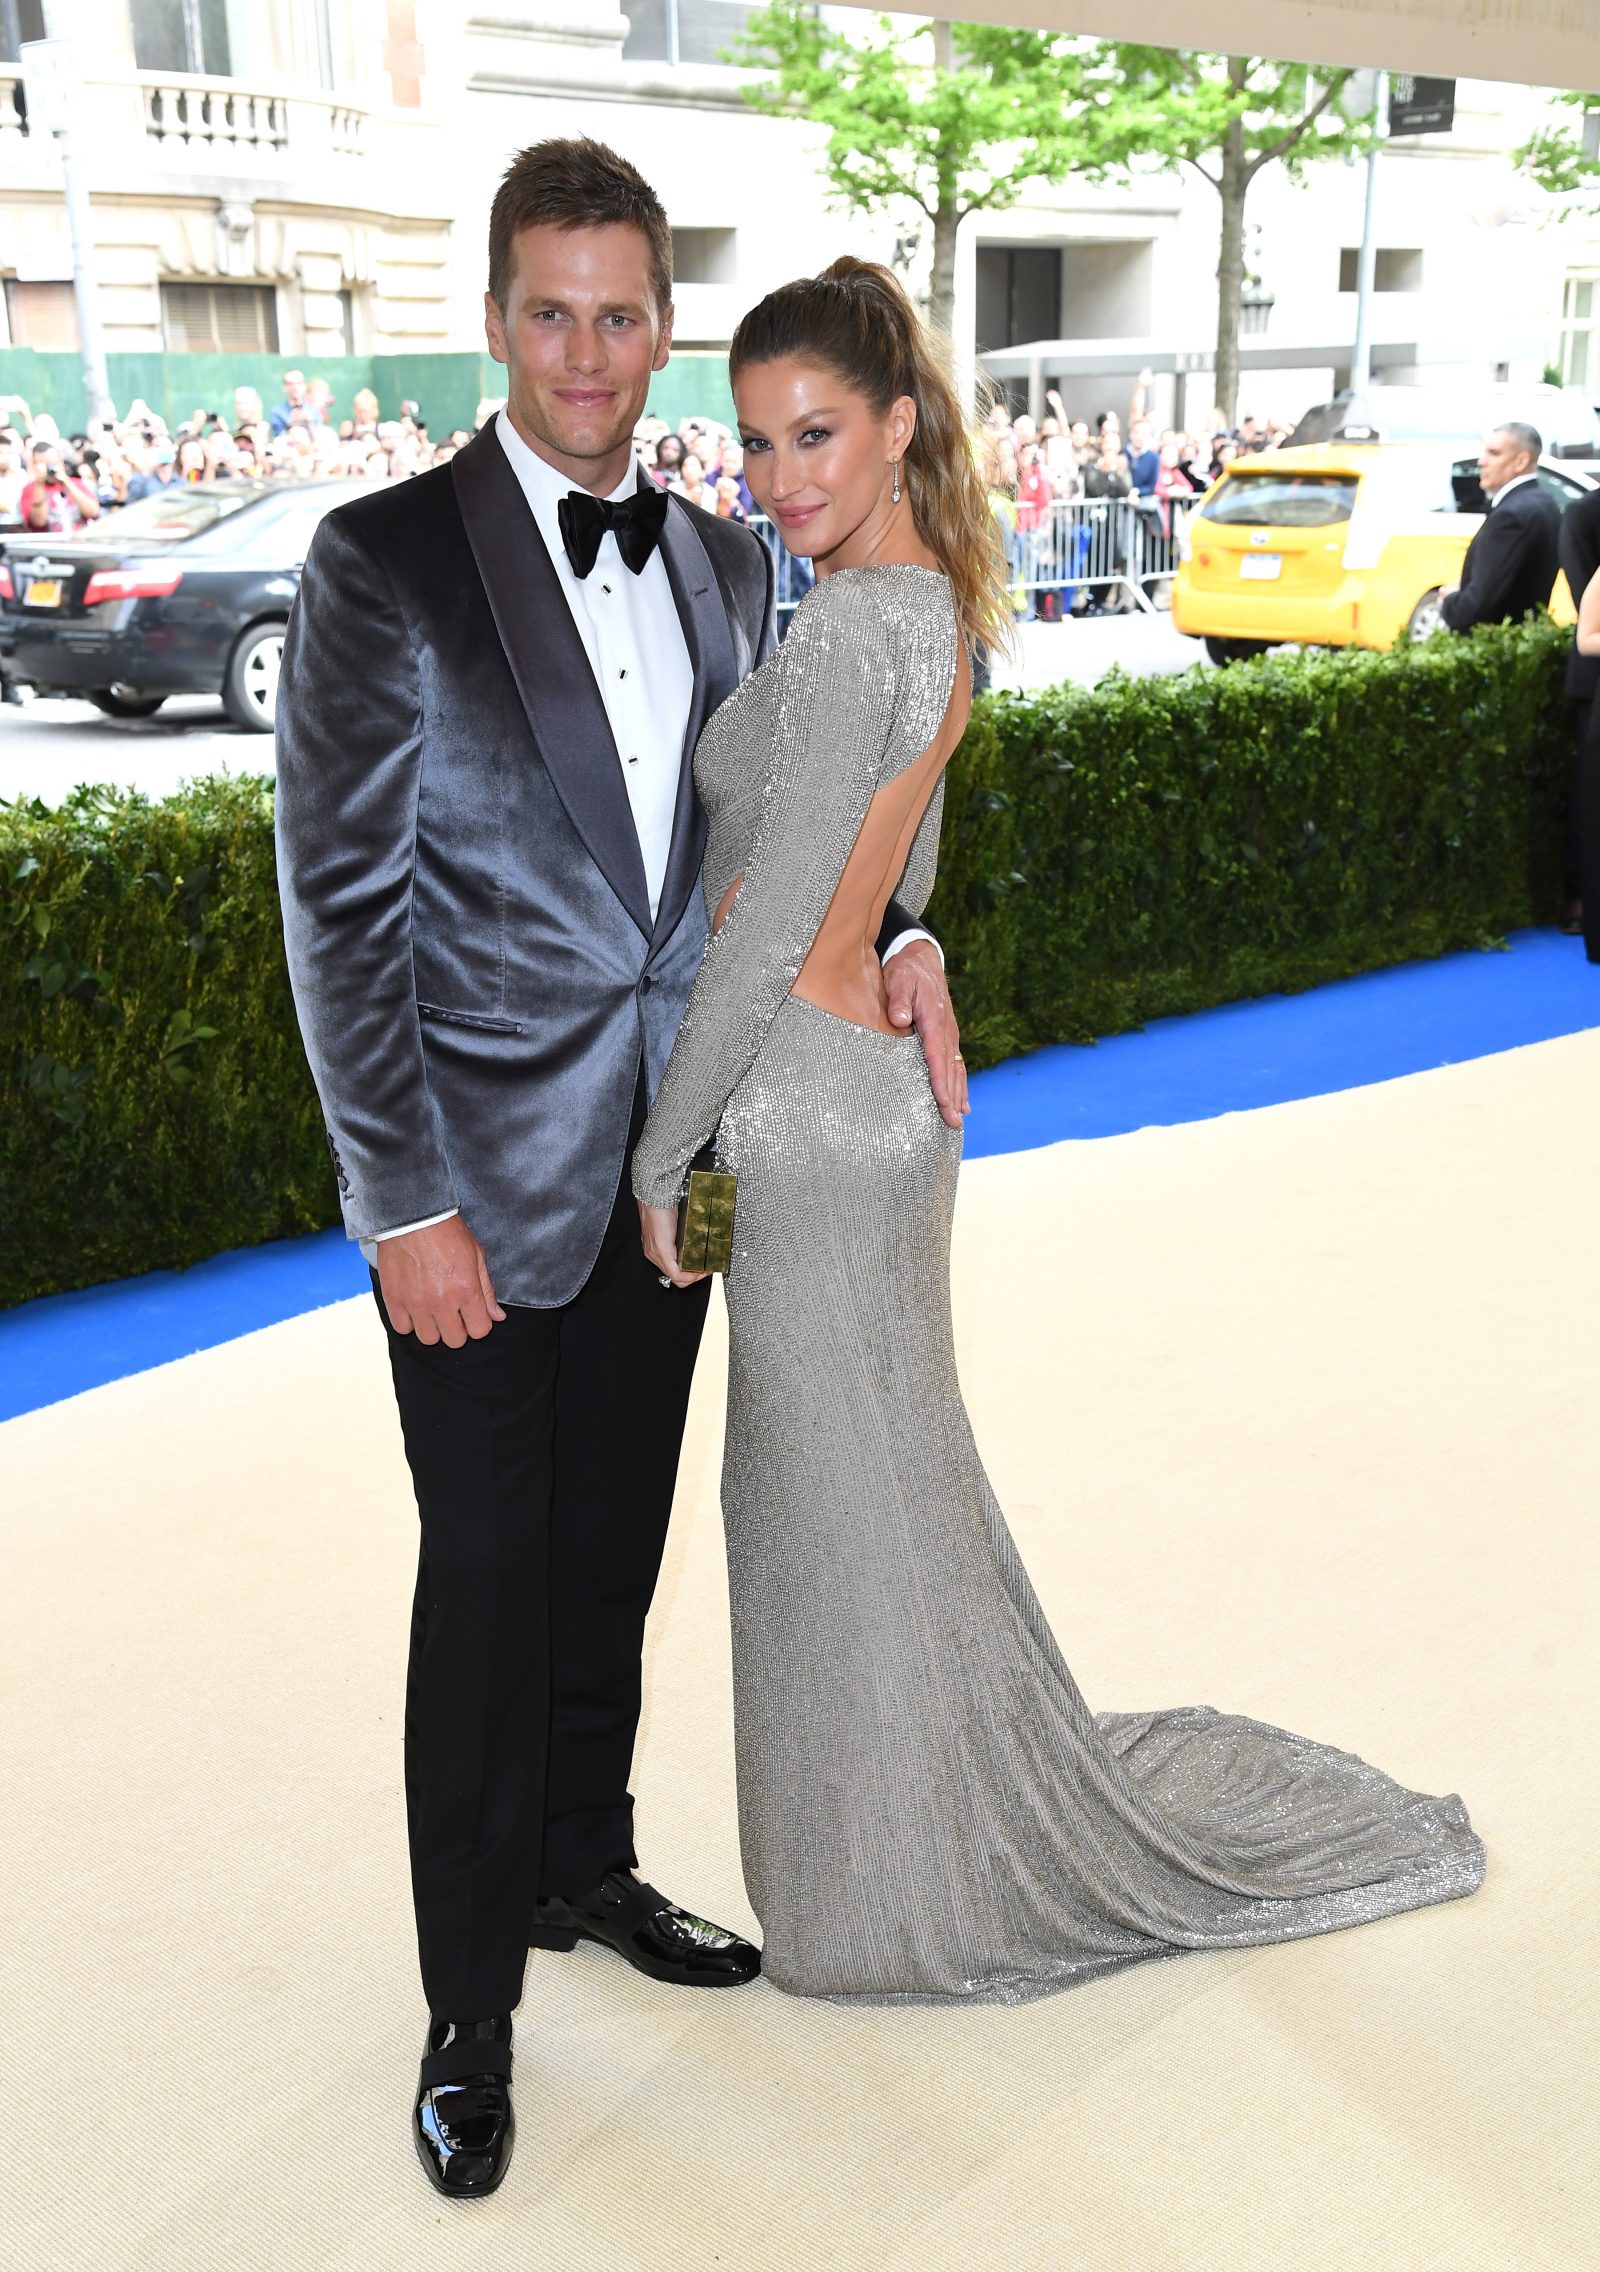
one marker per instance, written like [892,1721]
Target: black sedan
[187,592]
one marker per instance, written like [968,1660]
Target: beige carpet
[1294,1413]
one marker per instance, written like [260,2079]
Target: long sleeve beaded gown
[928,1809]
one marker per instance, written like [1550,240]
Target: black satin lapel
[550,666]
[698,598]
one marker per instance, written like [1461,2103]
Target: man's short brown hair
[576,184]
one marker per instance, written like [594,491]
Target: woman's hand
[659,1228]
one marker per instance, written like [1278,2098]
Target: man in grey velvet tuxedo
[489,856]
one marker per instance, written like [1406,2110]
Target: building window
[1019,295]
[1393,269]
[1580,313]
[704,256]
[682,31]
[181,35]
[41,315]
[219,319]
[323,30]
[19,20]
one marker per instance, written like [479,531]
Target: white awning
[1541,43]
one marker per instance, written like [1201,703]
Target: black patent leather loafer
[463,2127]
[657,1937]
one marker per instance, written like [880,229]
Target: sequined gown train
[928,1809]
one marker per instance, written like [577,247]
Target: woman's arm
[834,718]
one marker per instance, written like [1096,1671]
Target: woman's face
[669,452]
[692,470]
[816,459]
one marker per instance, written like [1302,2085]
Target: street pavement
[47,747]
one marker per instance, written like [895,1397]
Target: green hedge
[1160,845]
[1153,846]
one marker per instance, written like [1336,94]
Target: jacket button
[646,983]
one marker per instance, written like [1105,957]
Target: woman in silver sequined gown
[928,1808]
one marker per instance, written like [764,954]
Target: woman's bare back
[842,973]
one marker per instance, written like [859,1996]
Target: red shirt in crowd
[1035,495]
[63,507]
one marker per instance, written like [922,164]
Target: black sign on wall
[1421,106]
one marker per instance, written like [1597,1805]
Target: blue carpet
[1372,1028]
[1283,1046]
[66,1342]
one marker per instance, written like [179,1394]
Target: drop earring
[895,491]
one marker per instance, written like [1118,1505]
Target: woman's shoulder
[892,626]
[873,601]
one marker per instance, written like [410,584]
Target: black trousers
[544,1459]
[1581,847]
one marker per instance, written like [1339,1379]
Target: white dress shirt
[1506,487]
[635,644]
[634,641]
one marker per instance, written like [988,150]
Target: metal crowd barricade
[1096,545]
[795,577]
[1087,544]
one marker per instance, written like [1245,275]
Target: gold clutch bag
[705,1215]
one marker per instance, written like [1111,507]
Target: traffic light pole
[97,391]
[1366,267]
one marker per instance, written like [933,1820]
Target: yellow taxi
[1343,544]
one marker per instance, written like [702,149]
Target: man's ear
[494,328]
[664,339]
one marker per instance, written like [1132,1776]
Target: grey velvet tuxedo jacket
[474,963]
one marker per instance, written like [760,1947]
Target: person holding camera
[57,500]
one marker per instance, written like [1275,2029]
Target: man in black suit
[1511,563]
[489,858]
[1580,563]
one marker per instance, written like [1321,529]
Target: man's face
[1500,460]
[1139,434]
[294,388]
[580,336]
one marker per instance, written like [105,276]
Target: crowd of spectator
[1035,467]
[52,483]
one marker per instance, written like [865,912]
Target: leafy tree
[1566,162]
[962,118]
[1229,117]
[950,118]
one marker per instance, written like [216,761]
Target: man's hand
[658,1226]
[1448,591]
[913,981]
[436,1285]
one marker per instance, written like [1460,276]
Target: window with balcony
[182,35]
[19,20]
[682,31]
[219,319]
[41,315]
[704,256]
[1580,334]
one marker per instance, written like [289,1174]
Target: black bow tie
[635,521]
